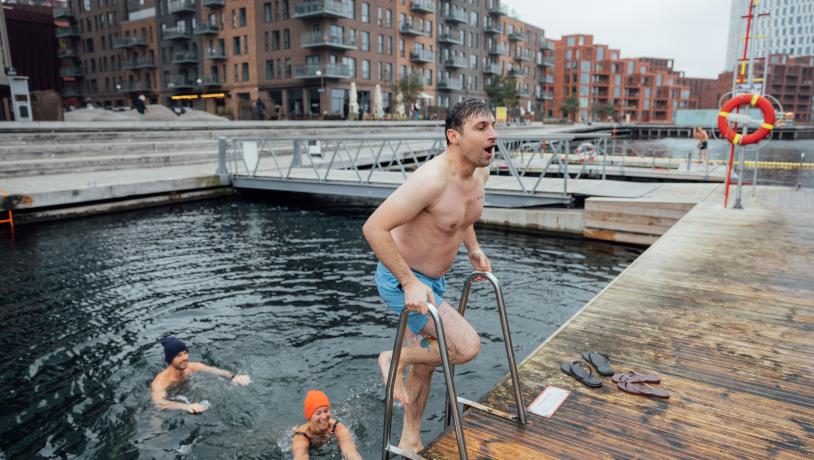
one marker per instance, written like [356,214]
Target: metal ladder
[452,411]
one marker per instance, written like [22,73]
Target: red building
[603,84]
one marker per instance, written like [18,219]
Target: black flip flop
[600,361]
[581,372]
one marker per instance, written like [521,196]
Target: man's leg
[463,344]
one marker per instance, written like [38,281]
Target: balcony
[319,39]
[214,3]
[324,9]
[498,10]
[422,56]
[549,46]
[422,6]
[179,82]
[208,81]
[493,28]
[448,84]
[455,17]
[141,63]
[458,62]
[130,41]
[215,54]
[499,50]
[309,71]
[523,92]
[522,55]
[450,39]
[73,71]
[491,69]
[545,95]
[177,33]
[181,6]
[205,29]
[408,28]
[517,36]
[62,13]
[133,86]
[185,57]
[66,53]
[547,79]
[66,32]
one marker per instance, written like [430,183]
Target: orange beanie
[313,401]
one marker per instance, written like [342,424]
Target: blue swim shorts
[392,293]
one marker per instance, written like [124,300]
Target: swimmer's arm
[413,196]
[201,367]
[299,448]
[346,444]
[160,400]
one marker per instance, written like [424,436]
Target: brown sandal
[643,389]
[635,377]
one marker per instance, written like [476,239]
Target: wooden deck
[722,308]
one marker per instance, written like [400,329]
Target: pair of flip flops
[584,373]
[638,384]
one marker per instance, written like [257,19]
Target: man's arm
[477,258]
[237,379]
[159,395]
[346,444]
[412,197]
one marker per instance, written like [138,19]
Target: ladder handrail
[451,394]
[507,339]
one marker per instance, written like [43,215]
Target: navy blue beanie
[172,347]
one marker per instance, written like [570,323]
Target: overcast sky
[692,32]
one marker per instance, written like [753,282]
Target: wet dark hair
[462,111]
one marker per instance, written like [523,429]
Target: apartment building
[298,56]
[645,90]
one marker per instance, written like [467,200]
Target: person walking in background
[321,432]
[140,106]
[703,139]
[261,109]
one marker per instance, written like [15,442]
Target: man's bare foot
[413,447]
[400,393]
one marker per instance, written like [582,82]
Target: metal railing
[355,160]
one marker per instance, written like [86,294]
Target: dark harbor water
[281,292]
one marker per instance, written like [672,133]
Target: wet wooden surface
[722,308]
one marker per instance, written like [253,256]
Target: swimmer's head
[172,347]
[315,400]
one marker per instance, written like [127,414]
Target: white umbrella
[399,104]
[377,101]
[353,104]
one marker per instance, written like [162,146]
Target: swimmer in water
[178,371]
[321,430]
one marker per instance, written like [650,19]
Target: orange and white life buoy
[726,115]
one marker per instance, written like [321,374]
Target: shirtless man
[416,233]
[703,139]
[178,371]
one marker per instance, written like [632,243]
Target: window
[266,41]
[270,69]
[351,64]
[365,69]
[380,44]
[245,66]
[275,40]
[366,13]
[365,41]
[287,67]
[243,17]
[267,12]
[286,39]
[285,9]
[236,46]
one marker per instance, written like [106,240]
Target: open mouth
[490,150]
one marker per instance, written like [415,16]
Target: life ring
[725,115]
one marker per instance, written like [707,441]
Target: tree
[409,86]
[503,92]
[602,111]
[570,106]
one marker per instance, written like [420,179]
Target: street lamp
[321,89]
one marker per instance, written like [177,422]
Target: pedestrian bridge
[525,171]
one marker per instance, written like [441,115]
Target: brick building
[298,56]
[645,90]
